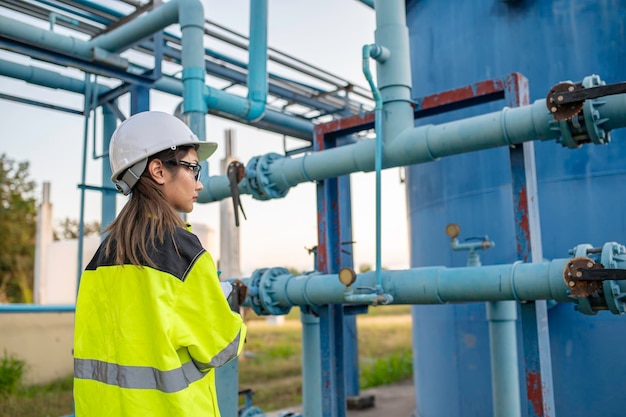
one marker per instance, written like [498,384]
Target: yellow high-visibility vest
[147,340]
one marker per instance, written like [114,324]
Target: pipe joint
[586,127]
[261,183]
[256,110]
[193,82]
[379,53]
[262,294]
[190,14]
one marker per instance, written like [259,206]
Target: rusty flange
[563,111]
[572,276]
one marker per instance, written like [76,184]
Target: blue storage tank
[456,43]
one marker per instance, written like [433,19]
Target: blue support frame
[534,314]
[514,89]
[334,230]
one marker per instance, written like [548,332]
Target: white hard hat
[146,134]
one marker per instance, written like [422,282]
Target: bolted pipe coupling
[596,278]
[259,176]
[262,298]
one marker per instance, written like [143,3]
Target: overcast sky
[326,33]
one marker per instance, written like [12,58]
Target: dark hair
[146,217]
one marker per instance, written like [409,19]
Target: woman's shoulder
[186,240]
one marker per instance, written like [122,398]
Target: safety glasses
[195,168]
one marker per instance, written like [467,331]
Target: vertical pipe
[257,68]
[191,19]
[108,207]
[83,177]
[502,317]
[378,154]
[311,365]
[394,73]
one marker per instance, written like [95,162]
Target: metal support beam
[534,314]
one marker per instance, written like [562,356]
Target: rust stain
[522,209]
[535,396]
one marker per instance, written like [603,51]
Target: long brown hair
[146,217]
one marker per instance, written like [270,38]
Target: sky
[326,33]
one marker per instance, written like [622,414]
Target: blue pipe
[76,12]
[108,205]
[260,24]
[257,73]
[275,290]
[45,78]
[300,127]
[510,126]
[36,308]
[393,69]
[375,51]
[83,179]
[502,318]
[311,365]
[192,74]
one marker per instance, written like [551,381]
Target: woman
[152,321]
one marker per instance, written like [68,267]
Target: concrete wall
[43,340]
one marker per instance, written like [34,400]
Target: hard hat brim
[205,149]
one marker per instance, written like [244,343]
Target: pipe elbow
[190,13]
[256,110]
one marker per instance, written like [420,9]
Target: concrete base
[361,402]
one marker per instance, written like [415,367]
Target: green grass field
[271,364]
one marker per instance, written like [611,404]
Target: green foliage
[11,371]
[18,222]
[386,370]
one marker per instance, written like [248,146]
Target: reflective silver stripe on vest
[228,353]
[138,377]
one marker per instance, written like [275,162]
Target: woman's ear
[157,171]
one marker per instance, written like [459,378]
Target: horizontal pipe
[275,121]
[510,126]
[279,291]
[19,31]
[37,308]
[45,78]
[130,33]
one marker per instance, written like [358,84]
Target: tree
[68,229]
[18,224]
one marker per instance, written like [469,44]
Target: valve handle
[235,173]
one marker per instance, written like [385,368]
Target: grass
[271,365]
[11,371]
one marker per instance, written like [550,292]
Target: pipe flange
[263,303]
[255,300]
[612,256]
[262,187]
[251,412]
[593,122]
